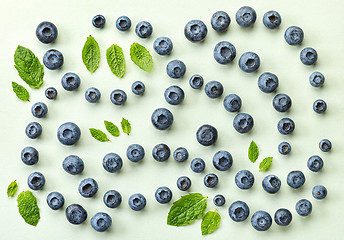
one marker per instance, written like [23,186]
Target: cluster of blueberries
[224,52]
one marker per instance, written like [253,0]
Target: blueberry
[213,89]
[53,59]
[283,217]
[315,163]
[143,29]
[281,102]
[238,211]
[206,135]
[135,152]
[219,200]
[243,122]
[88,187]
[224,52]
[296,179]
[181,154]
[293,35]
[39,110]
[51,93]
[174,95]
[76,214]
[196,81]
[70,81]
[222,160]
[244,179]
[284,148]
[92,95]
[137,202]
[123,23]
[46,32]
[175,69]
[195,30]
[271,184]
[261,221]
[112,199]
[161,152]
[183,183]
[232,103]
[112,162]
[197,165]
[138,88]
[272,19]
[29,155]
[101,222]
[98,21]
[319,192]
[72,164]
[163,45]
[163,194]
[36,181]
[316,79]
[220,21]
[308,56]
[267,82]
[33,130]
[68,133]
[319,106]
[210,180]
[118,97]
[325,145]
[286,126]
[249,62]
[303,207]
[55,200]
[246,16]
[162,118]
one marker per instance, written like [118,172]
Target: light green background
[322,24]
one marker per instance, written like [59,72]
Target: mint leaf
[126,127]
[210,222]
[253,152]
[21,92]
[112,128]
[91,54]
[265,164]
[187,209]
[115,60]
[141,57]
[12,188]
[28,208]
[99,135]
[29,67]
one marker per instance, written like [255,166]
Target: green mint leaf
[141,57]
[112,128]
[265,164]
[99,135]
[21,92]
[253,152]
[91,54]
[29,67]
[126,127]
[187,209]
[28,208]
[115,60]
[210,222]
[12,188]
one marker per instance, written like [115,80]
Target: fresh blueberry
[213,89]
[315,163]
[316,79]
[88,187]
[39,110]
[51,93]
[303,207]
[284,148]
[68,133]
[183,183]
[244,179]
[92,95]
[272,19]
[249,62]
[197,165]
[33,130]
[112,162]
[76,214]
[138,88]
[271,184]
[175,69]
[174,95]
[210,180]
[55,200]
[243,122]
[163,45]
[222,160]
[101,222]
[319,192]
[123,23]
[286,126]
[98,21]
[246,16]
[281,102]
[195,30]
[296,179]
[224,52]
[144,29]
[163,194]
[308,56]
[29,155]
[46,32]
[70,81]
[319,106]
[196,81]
[36,181]
[261,221]
[118,97]
[162,118]
[219,200]
[72,164]
[293,35]
[232,103]
[283,217]
[267,82]
[161,152]
[112,199]
[238,211]
[220,21]
[137,202]
[181,154]
[206,135]
[53,59]
[135,152]
[325,145]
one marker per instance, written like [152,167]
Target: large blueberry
[68,133]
